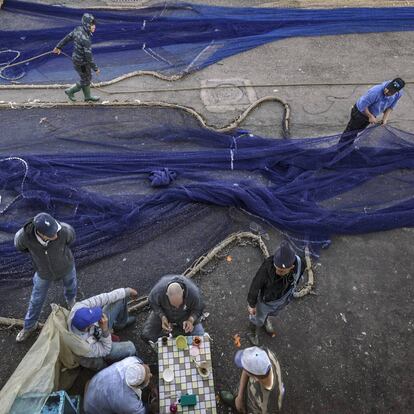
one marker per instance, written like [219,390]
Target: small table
[186,380]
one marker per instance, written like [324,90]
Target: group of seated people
[177,309]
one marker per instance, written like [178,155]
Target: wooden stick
[15,322]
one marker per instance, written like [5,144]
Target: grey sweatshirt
[193,304]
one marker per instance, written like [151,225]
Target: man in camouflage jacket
[81,56]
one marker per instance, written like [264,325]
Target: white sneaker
[25,333]
[270,329]
[154,346]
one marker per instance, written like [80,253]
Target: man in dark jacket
[82,57]
[272,288]
[176,308]
[48,243]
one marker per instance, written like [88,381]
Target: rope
[202,121]
[198,266]
[240,239]
[160,76]
[11,64]
[26,169]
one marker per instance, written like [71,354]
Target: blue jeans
[39,293]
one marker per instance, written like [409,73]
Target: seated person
[261,389]
[176,308]
[93,319]
[118,388]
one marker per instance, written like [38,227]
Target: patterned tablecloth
[186,380]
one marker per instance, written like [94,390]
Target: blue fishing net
[94,168]
[171,38]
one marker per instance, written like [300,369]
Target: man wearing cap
[261,388]
[81,57]
[272,288]
[47,241]
[381,99]
[176,308]
[118,388]
[93,320]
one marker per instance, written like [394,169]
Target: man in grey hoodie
[47,241]
[93,320]
[176,308]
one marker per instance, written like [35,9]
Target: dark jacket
[192,306]
[82,45]
[51,262]
[268,286]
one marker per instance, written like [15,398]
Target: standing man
[176,308]
[82,57]
[272,288]
[261,388]
[381,99]
[94,319]
[48,243]
[118,388]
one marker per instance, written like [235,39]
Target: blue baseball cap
[85,317]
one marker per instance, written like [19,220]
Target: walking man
[176,308]
[381,99]
[47,241]
[82,57]
[272,288]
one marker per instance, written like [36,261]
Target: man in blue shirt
[118,388]
[381,99]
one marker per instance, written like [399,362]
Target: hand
[384,122]
[103,323]
[133,293]
[188,326]
[56,51]
[97,71]
[239,404]
[372,120]
[166,326]
[252,311]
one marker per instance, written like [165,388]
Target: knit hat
[135,376]
[45,224]
[395,85]
[254,360]
[85,317]
[284,256]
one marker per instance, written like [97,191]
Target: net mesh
[169,38]
[91,167]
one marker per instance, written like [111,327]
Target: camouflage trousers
[85,74]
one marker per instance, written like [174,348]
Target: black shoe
[253,335]
[228,399]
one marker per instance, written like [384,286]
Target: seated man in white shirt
[93,319]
